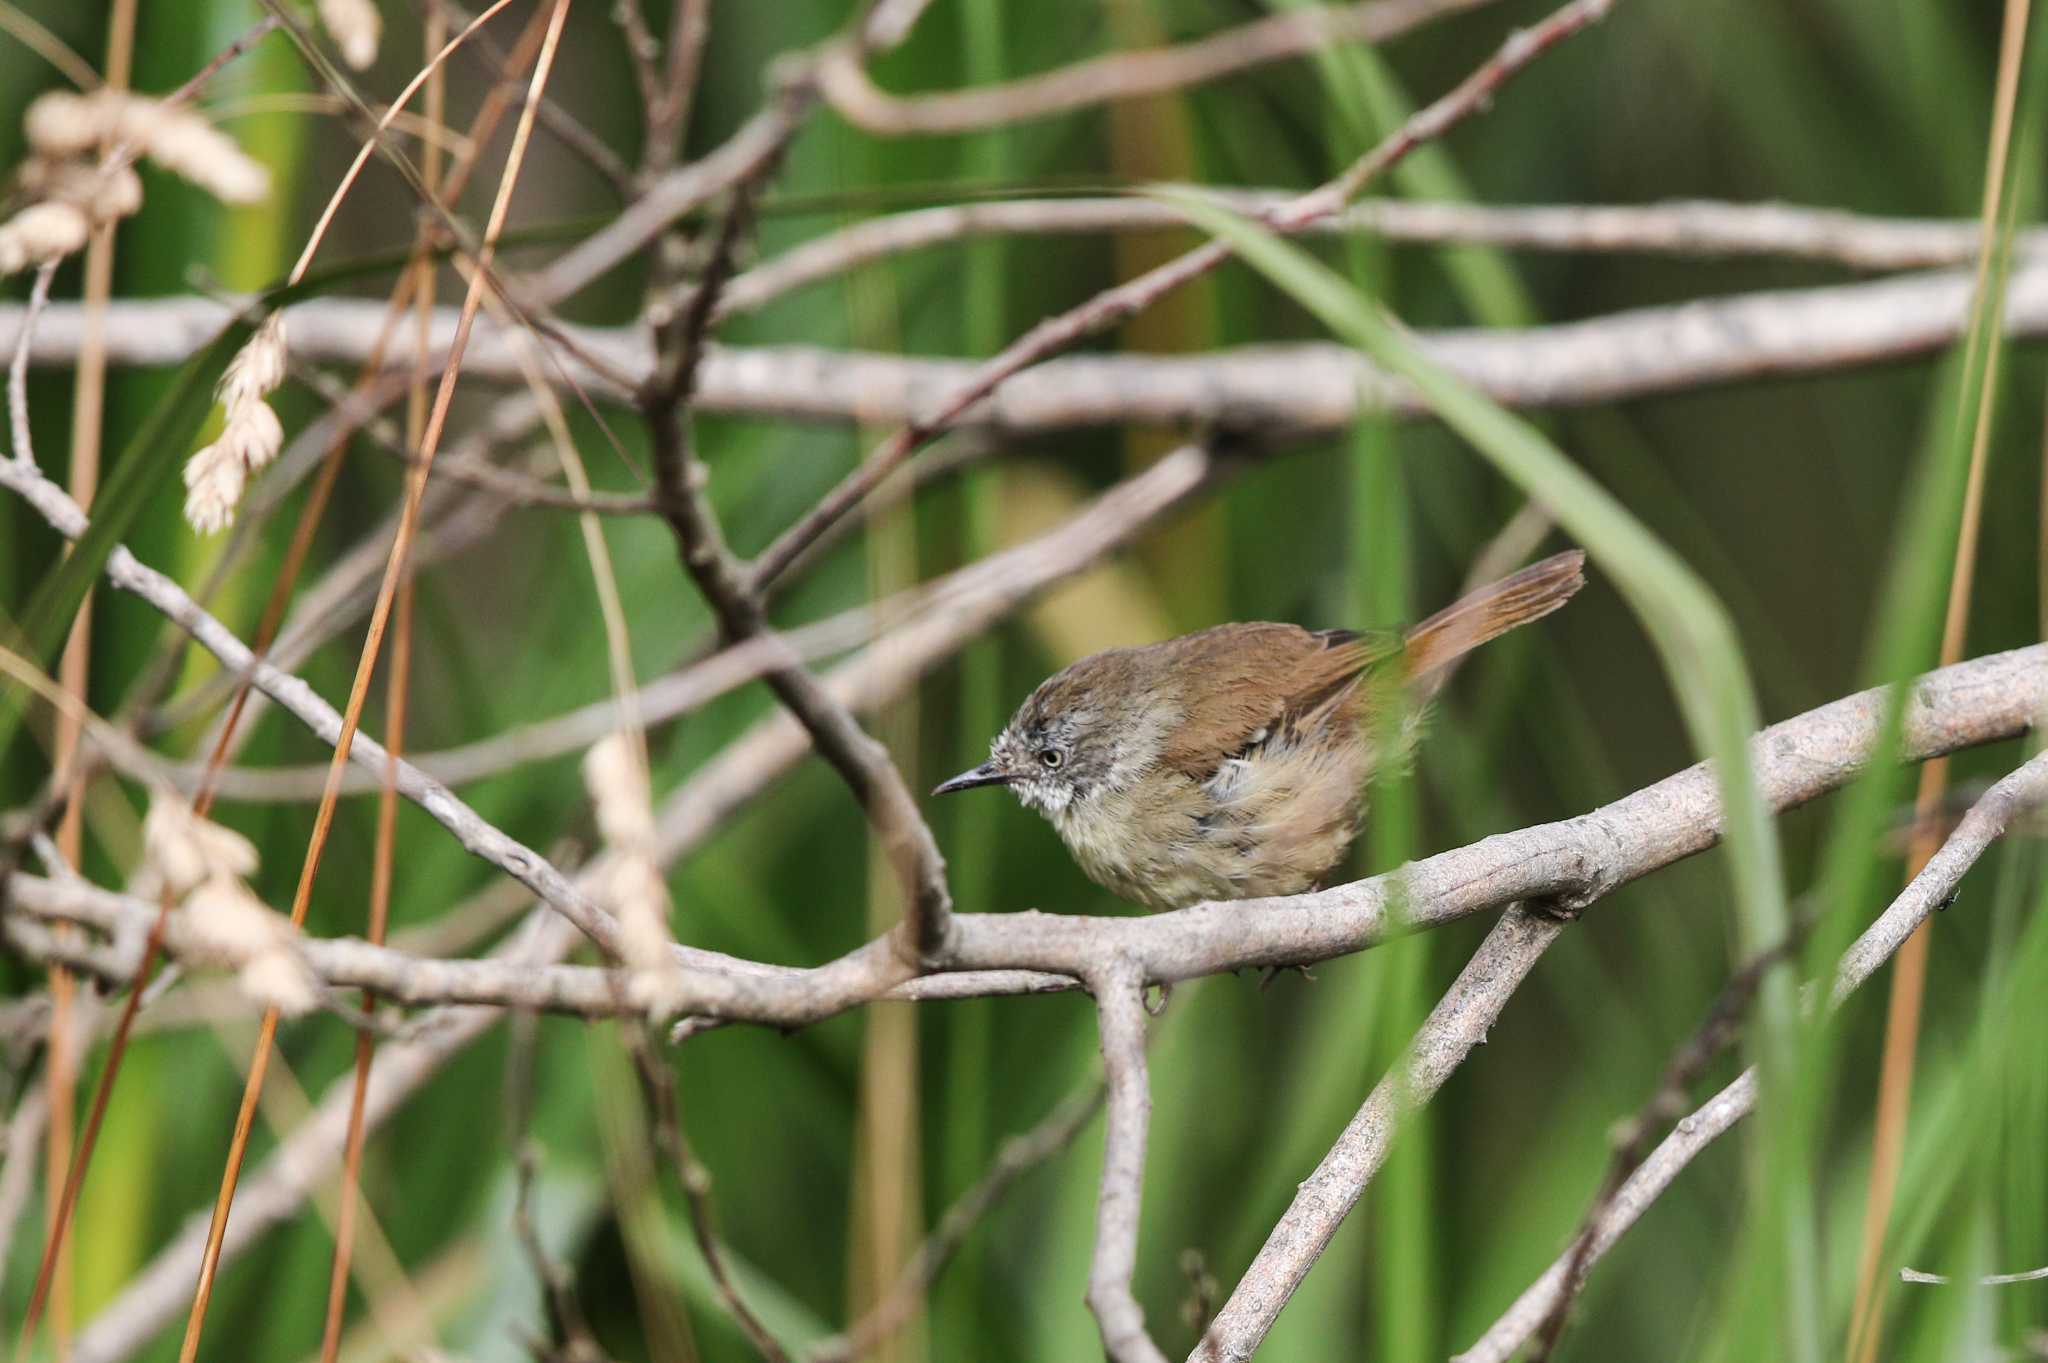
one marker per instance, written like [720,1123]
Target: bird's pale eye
[1050,758]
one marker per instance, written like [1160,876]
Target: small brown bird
[1232,763]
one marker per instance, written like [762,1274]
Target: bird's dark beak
[987,774]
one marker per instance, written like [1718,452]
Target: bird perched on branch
[1232,763]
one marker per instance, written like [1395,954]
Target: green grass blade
[1703,661]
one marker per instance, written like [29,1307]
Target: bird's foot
[1272,972]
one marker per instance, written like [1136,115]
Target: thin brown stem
[1909,976]
[695,1180]
[408,524]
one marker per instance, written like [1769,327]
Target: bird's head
[1078,735]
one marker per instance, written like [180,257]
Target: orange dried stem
[380,615]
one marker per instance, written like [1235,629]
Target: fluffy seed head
[41,233]
[60,124]
[355,27]
[214,478]
[280,979]
[102,193]
[258,367]
[253,435]
[229,926]
[183,850]
[617,781]
[250,438]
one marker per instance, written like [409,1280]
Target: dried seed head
[185,144]
[258,367]
[103,193]
[253,435]
[41,233]
[227,925]
[61,124]
[355,27]
[250,438]
[214,478]
[616,777]
[183,850]
[282,980]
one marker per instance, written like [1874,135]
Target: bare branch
[1281,390]
[2024,789]
[476,835]
[17,367]
[1120,75]
[2032,1275]
[984,590]
[1114,306]
[1458,1023]
[1018,1155]
[1120,1014]
[737,604]
[695,1179]
[1631,1139]
[1701,229]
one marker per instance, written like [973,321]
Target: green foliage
[1783,539]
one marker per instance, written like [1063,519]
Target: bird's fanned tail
[1491,611]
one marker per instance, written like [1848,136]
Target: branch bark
[2022,790]
[1279,390]
[1120,1017]
[1120,75]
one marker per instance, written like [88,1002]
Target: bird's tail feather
[1491,611]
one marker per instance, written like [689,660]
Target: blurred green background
[1788,496]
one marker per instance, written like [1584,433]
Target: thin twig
[2032,1275]
[1701,229]
[671,1139]
[1291,390]
[17,367]
[2024,789]
[1018,1156]
[1631,1139]
[736,602]
[1121,75]
[1120,1016]
[1117,305]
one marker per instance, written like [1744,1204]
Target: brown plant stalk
[358,691]
[1909,974]
[87,411]
[300,546]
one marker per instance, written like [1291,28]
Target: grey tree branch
[738,605]
[1120,1017]
[1573,863]
[1974,702]
[476,835]
[1120,75]
[1001,581]
[1459,1022]
[2022,790]
[1703,229]
[1018,1155]
[1285,390]
[1113,306]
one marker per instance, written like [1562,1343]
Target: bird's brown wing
[1244,681]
